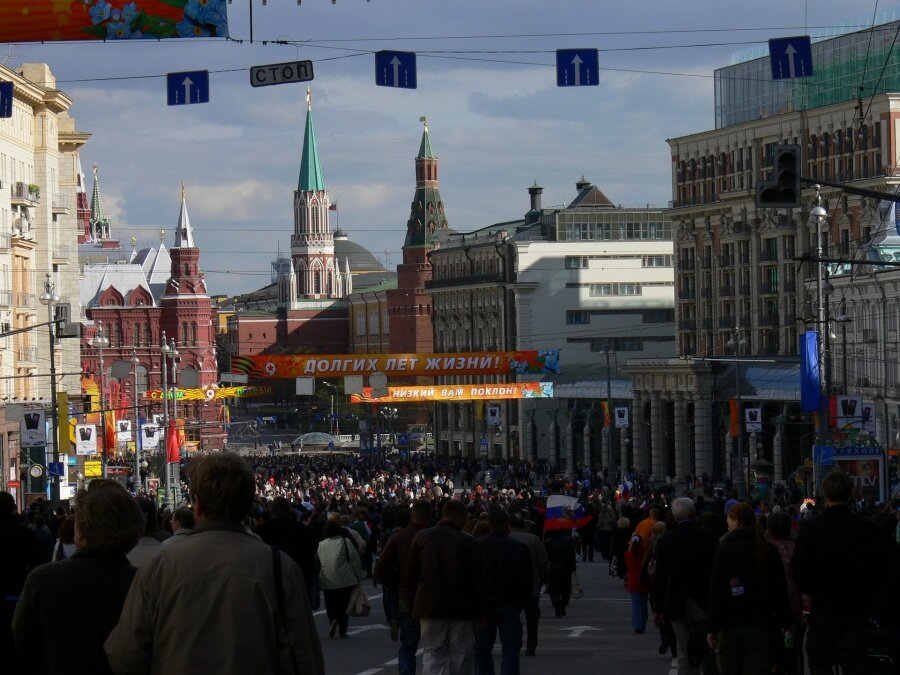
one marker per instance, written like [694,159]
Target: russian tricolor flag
[564,513]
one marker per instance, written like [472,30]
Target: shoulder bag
[359,603]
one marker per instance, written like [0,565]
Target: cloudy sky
[486,82]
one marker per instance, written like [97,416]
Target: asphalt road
[595,636]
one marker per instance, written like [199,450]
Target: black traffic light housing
[784,191]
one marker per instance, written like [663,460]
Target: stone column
[570,446]
[638,432]
[657,470]
[777,458]
[586,441]
[702,436]
[680,458]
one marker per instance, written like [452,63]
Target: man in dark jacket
[506,566]
[684,559]
[392,570]
[18,554]
[293,538]
[446,591]
[836,555]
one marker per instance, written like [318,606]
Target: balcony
[26,300]
[744,259]
[687,324]
[706,263]
[60,203]
[473,280]
[684,293]
[726,322]
[23,195]
[706,292]
[768,287]
[769,318]
[744,289]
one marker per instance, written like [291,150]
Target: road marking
[371,597]
[370,671]
[674,667]
[576,631]
[363,629]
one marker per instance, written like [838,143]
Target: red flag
[332,206]
[172,450]
[109,433]
[734,425]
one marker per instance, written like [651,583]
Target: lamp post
[163,368]
[331,421]
[135,362]
[169,351]
[817,216]
[740,484]
[50,298]
[100,342]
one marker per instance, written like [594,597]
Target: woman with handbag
[340,573]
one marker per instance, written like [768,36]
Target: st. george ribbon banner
[523,362]
[210,393]
[46,20]
[458,392]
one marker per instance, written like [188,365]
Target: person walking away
[606,521]
[148,546]
[183,523]
[341,571]
[108,524]
[587,534]
[748,597]
[222,601]
[506,569]
[648,569]
[393,568]
[361,527]
[561,566]
[65,540]
[619,544]
[635,585]
[644,527]
[18,554]
[446,590]
[833,563]
[680,590]
[539,562]
[295,539]
[789,658]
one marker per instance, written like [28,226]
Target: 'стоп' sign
[281,73]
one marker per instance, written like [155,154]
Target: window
[628,344]
[574,262]
[577,317]
[193,334]
[629,289]
[601,289]
[656,261]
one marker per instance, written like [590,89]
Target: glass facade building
[845,68]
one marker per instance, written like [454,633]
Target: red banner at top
[522,362]
[48,20]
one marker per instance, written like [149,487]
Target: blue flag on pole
[810,373]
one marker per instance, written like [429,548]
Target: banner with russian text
[210,393]
[458,392]
[46,20]
[523,362]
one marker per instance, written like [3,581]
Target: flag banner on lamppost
[109,430]
[33,429]
[85,439]
[123,431]
[753,420]
[149,437]
[621,418]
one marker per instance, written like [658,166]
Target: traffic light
[784,191]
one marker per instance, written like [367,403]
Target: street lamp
[331,420]
[736,342]
[168,351]
[100,342]
[135,362]
[50,298]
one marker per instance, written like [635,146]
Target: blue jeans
[410,632]
[504,620]
[639,612]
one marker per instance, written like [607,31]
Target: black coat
[837,557]
[506,570]
[684,558]
[742,591]
[296,540]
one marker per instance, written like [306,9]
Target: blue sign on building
[791,57]
[577,68]
[395,69]
[188,87]
[823,455]
[6,99]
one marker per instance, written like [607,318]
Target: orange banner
[47,20]
[458,392]
[734,422]
[524,362]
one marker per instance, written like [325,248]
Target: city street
[595,637]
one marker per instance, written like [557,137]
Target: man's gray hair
[683,509]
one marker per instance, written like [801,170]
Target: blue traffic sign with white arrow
[6,99]
[791,57]
[395,69]
[188,87]
[577,68]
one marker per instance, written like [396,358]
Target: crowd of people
[228,580]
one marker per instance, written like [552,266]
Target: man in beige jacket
[211,604]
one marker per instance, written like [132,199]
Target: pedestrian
[587,533]
[232,604]
[295,539]
[619,544]
[833,564]
[148,546]
[539,561]
[65,540]
[506,574]
[392,569]
[108,523]
[789,658]
[666,635]
[340,572]
[606,521]
[680,590]
[183,523]
[636,585]
[561,567]
[446,591]
[748,597]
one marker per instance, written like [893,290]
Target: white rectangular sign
[33,428]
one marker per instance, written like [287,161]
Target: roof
[311,178]
[425,149]
[124,278]
[765,382]
[590,195]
